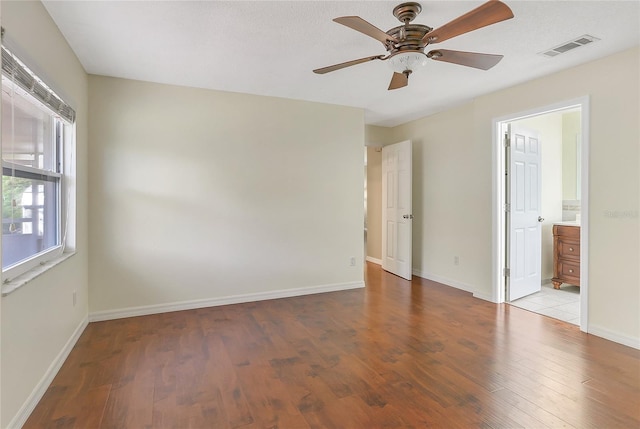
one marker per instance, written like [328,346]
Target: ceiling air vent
[570,45]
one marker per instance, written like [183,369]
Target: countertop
[568,223]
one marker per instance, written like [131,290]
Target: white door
[396,209]
[523,219]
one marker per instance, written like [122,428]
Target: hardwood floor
[395,354]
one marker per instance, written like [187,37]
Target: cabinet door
[569,271]
[569,249]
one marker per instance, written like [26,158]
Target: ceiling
[270,48]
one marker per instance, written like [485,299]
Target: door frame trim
[498,200]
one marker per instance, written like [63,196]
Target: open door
[396,209]
[524,229]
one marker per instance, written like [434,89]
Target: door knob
[540,219]
[407,216]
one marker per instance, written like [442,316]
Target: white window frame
[63,145]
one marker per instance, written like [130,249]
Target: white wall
[453,187]
[613,88]
[374,189]
[374,203]
[39,319]
[201,195]
[376,136]
[447,195]
[571,123]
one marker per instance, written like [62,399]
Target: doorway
[563,137]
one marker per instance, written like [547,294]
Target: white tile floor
[562,304]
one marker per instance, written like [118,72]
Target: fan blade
[399,80]
[489,13]
[469,59]
[335,67]
[359,24]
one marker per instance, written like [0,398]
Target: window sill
[17,282]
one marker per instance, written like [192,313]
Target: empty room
[320,214]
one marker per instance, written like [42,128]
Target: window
[37,128]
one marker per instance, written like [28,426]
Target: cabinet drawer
[569,249]
[569,271]
[567,231]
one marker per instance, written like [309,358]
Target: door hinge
[506,272]
[507,207]
[507,140]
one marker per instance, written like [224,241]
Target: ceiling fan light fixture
[403,61]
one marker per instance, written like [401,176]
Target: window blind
[19,73]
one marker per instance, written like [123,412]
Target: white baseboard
[214,302]
[453,283]
[485,297]
[445,281]
[598,331]
[374,260]
[39,390]
[616,337]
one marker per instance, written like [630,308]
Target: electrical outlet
[75,298]
[456,260]
[352,261]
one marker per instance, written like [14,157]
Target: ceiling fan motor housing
[410,37]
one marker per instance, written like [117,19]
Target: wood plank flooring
[396,354]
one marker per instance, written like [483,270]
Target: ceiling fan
[406,43]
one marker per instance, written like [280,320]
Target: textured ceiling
[270,48]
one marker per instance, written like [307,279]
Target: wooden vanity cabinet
[566,255]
